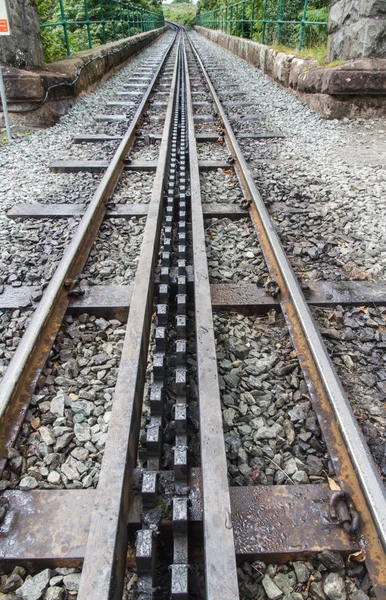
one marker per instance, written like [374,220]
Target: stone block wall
[23,48]
[357,29]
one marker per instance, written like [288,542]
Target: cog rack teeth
[179,589]
[156,399]
[159,366]
[154,436]
[145,552]
[162,314]
[181,304]
[181,352]
[180,380]
[149,489]
[160,339]
[163,293]
[180,418]
[181,326]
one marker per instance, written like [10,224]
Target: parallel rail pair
[105,552]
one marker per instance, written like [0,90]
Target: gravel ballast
[271,432]
[233,252]
[114,256]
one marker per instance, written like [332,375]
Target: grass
[15,135]
[319,53]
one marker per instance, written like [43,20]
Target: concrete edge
[357,88]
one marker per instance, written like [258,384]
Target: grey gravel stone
[54,593]
[331,560]
[72,581]
[317,591]
[57,405]
[28,483]
[33,589]
[283,582]
[334,587]
[302,571]
[271,589]
[11,583]
[359,595]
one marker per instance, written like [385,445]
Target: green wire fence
[90,23]
[284,22]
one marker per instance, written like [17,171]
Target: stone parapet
[357,88]
[24,88]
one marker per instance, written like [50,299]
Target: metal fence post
[302,24]
[280,21]
[128,19]
[112,19]
[63,15]
[252,19]
[103,21]
[121,20]
[264,22]
[87,23]
[5,107]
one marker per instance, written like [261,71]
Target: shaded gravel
[220,187]
[50,584]
[31,249]
[134,188]
[210,151]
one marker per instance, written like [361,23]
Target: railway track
[163,485]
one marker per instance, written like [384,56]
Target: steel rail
[105,556]
[353,464]
[220,558]
[29,359]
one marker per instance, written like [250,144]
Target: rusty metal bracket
[342,511]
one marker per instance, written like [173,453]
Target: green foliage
[316,34]
[180,12]
[53,38]
[245,19]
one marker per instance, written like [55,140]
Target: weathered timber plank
[77,166]
[225,296]
[279,522]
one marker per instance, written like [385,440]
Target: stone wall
[357,29]
[24,89]
[357,88]
[23,48]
